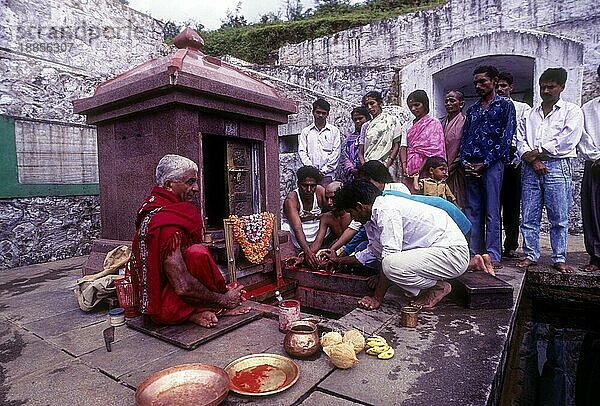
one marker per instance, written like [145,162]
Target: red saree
[161,217]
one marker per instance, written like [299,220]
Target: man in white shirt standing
[419,245]
[319,144]
[546,142]
[510,194]
[589,149]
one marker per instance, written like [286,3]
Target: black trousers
[510,204]
[590,211]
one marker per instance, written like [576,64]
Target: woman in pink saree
[424,139]
[453,123]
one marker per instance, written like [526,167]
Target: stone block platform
[54,354]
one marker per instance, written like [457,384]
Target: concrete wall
[419,45]
[52,52]
[400,41]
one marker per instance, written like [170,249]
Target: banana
[375,340]
[375,343]
[378,350]
[386,354]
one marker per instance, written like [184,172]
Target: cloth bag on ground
[92,289]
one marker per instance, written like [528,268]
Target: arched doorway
[458,77]
[526,54]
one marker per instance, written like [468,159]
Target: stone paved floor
[51,353]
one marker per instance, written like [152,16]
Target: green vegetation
[256,42]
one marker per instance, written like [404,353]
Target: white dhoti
[310,229]
[421,268]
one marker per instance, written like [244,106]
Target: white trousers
[422,268]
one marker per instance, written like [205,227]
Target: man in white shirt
[510,194]
[376,172]
[418,245]
[319,144]
[546,142]
[589,149]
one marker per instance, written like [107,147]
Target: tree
[193,24]
[171,29]
[234,18]
[332,6]
[293,9]
[270,17]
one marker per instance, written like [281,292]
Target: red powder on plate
[250,379]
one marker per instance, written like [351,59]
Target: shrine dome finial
[188,38]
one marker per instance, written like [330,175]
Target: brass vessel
[302,339]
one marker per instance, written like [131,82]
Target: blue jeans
[554,192]
[482,208]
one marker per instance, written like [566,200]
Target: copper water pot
[302,339]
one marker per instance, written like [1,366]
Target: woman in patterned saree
[379,138]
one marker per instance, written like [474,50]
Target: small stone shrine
[193,105]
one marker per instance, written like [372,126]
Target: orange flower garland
[253,234]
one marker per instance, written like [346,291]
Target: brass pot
[302,339]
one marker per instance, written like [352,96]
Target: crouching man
[419,245]
[177,277]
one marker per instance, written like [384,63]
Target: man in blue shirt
[484,149]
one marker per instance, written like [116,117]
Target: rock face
[45,229]
[51,53]
[405,53]
[400,41]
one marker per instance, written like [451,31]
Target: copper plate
[188,384]
[262,374]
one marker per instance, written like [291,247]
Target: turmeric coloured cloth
[432,187]
[160,220]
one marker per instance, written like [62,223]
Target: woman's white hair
[172,167]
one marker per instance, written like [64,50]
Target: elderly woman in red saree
[176,276]
[453,123]
[424,139]
[379,138]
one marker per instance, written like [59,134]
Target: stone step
[480,290]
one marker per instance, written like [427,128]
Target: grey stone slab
[128,354]
[369,321]
[64,322]
[8,275]
[74,263]
[68,383]
[22,353]
[318,398]
[255,337]
[451,357]
[83,340]
[24,280]
[38,305]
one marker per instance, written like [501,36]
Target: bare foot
[428,298]
[562,267]
[489,266]
[206,319]
[525,263]
[476,263]
[369,303]
[372,282]
[236,311]
[589,268]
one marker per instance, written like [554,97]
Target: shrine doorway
[230,178]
